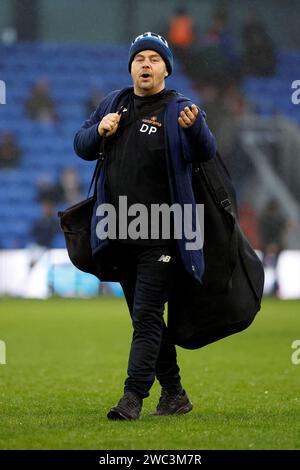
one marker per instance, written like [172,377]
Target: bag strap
[100,159]
[222,197]
[216,185]
[97,169]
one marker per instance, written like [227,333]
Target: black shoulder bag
[75,223]
[230,295]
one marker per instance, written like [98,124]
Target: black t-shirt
[136,157]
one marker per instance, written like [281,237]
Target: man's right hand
[109,124]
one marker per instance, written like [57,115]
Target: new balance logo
[164,258]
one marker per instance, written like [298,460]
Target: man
[150,145]
[40,106]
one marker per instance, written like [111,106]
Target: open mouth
[145,75]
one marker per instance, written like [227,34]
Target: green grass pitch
[66,363]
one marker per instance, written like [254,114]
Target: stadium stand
[72,71]
[272,95]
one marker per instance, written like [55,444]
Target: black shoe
[173,404]
[129,407]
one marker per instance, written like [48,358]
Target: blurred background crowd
[237,59]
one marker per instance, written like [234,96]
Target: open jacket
[184,147]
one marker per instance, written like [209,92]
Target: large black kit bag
[232,288]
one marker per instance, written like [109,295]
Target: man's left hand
[188,116]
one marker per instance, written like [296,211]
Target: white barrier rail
[37,273]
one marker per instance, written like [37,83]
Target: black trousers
[147,273]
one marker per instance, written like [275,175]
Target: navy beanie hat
[154,42]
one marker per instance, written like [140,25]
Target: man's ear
[166,74]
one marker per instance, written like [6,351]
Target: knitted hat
[154,42]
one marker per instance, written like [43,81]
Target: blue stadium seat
[73,71]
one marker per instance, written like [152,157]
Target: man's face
[148,71]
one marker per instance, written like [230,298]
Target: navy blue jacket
[183,147]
